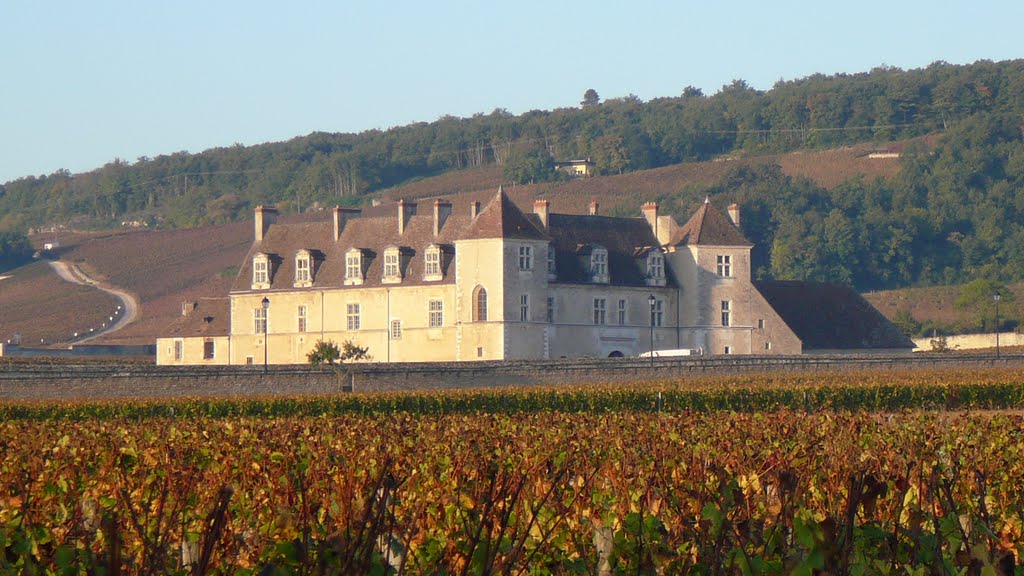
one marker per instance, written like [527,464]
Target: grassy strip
[638,398]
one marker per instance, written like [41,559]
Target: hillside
[40,308]
[622,194]
[163,268]
[948,210]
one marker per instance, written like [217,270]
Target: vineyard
[605,488]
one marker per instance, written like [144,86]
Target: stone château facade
[497,283]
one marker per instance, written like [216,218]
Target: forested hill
[956,210]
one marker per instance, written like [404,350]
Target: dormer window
[303,269]
[655,268]
[552,270]
[432,263]
[599,265]
[260,272]
[392,266]
[354,267]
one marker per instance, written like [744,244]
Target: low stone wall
[972,341]
[79,351]
[28,381]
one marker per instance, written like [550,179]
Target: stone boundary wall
[79,350]
[27,381]
[972,341]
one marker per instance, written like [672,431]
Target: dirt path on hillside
[72,273]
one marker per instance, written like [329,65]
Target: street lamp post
[996,297]
[266,321]
[651,300]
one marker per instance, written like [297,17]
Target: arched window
[354,267]
[303,269]
[260,271]
[392,266]
[432,266]
[479,304]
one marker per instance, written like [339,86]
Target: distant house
[885,153]
[497,284]
[576,168]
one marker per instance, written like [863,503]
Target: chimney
[406,210]
[542,208]
[734,214]
[442,210]
[474,209]
[594,207]
[187,307]
[265,216]
[341,216]
[650,210]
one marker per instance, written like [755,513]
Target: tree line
[953,213]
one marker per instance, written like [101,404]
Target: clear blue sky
[82,83]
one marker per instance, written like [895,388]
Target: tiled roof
[371,235]
[501,218]
[627,240]
[210,317]
[709,227]
[831,316]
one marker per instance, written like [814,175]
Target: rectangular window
[728,350]
[178,350]
[391,265]
[725,313]
[436,313]
[352,316]
[767,346]
[433,263]
[658,313]
[551,260]
[353,268]
[622,312]
[248,360]
[551,310]
[600,310]
[657,269]
[302,270]
[525,258]
[479,351]
[259,272]
[302,319]
[208,349]
[599,263]
[259,316]
[724,265]
[760,323]
[396,329]
[524,308]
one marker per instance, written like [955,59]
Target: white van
[678,352]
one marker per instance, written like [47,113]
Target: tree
[15,250]
[692,92]
[334,356]
[590,99]
[329,353]
[528,165]
[977,296]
